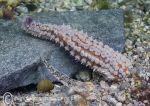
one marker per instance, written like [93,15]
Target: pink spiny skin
[99,57]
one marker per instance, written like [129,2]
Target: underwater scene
[74,52]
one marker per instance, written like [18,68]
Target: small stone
[119,1]
[129,47]
[147,5]
[2,103]
[113,88]
[146,101]
[136,103]
[54,101]
[121,96]
[123,7]
[109,99]
[148,21]
[119,104]
[138,39]
[129,42]
[130,104]
[104,93]
[59,9]
[28,99]
[103,103]
[64,5]
[84,75]
[104,85]
[88,1]
[124,85]
[18,99]
[39,10]
[130,53]
[141,49]
[21,9]
[78,100]
[79,2]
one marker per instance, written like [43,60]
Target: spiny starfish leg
[99,57]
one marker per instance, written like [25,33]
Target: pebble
[121,96]
[129,42]
[104,92]
[28,99]
[138,103]
[119,104]
[2,103]
[39,10]
[147,5]
[130,104]
[113,88]
[119,1]
[84,75]
[88,1]
[79,2]
[148,20]
[22,9]
[104,85]
[146,101]
[103,103]
[140,49]
[77,99]
[110,100]
[124,85]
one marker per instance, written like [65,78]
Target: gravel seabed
[137,32]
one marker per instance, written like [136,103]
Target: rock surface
[20,54]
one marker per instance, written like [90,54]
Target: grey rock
[21,53]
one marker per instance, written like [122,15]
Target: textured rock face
[20,54]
